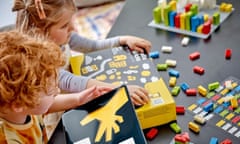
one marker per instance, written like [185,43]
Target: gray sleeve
[81,44]
[70,82]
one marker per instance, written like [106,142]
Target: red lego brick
[226,141]
[191,92]
[180,109]
[152,133]
[199,70]
[194,56]
[228,53]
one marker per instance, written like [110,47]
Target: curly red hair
[28,66]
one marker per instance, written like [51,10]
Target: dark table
[134,19]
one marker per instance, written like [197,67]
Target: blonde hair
[28,16]
[28,66]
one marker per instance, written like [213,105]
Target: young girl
[29,87]
[52,18]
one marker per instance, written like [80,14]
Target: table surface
[134,19]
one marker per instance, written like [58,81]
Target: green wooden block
[166,10]
[157,15]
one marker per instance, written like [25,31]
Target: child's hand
[91,93]
[139,95]
[136,43]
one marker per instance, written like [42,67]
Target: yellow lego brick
[228,8]
[161,109]
[202,90]
[191,107]
[220,123]
[234,103]
[230,116]
[220,101]
[172,81]
[224,91]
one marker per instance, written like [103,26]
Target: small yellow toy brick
[199,29]
[202,90]
[234,103]
[172,81]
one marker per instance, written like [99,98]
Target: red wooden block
[228,53]
[188,7]
[194,56]
[206,27]
[191,92]
[198,70]
[152,133]
[177,20]
[226,141]
[180,109]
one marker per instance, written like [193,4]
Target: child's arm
[136,43]
[64,102]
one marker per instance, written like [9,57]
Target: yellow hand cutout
[107,117]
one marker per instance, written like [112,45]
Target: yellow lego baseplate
[161,109]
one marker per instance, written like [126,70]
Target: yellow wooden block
[202,90]
[199,29]
[220,123]
[173,5]
[182,20]
[205,17]
[191,107]
[230,116]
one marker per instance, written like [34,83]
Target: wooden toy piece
[172,81]
[226,141]
[199,119]
[216,18]
[234,103]
[213,140]
[213,86]
[199,70]
[173,73]
[171,63]
[194,127]
[191,92]
[207,27]
[162,67]
[188,7]
[171,16]
[152,133]
[175,91]
[208,107]
[184,86]
[175,127]
[182,138]
[202,91]
[173,5]
[177,20]
[157,15]
[185,41]
[228,53]
[154,54]
[166,11]
[180,110]
[166,49]
[182,21]
[195,55]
